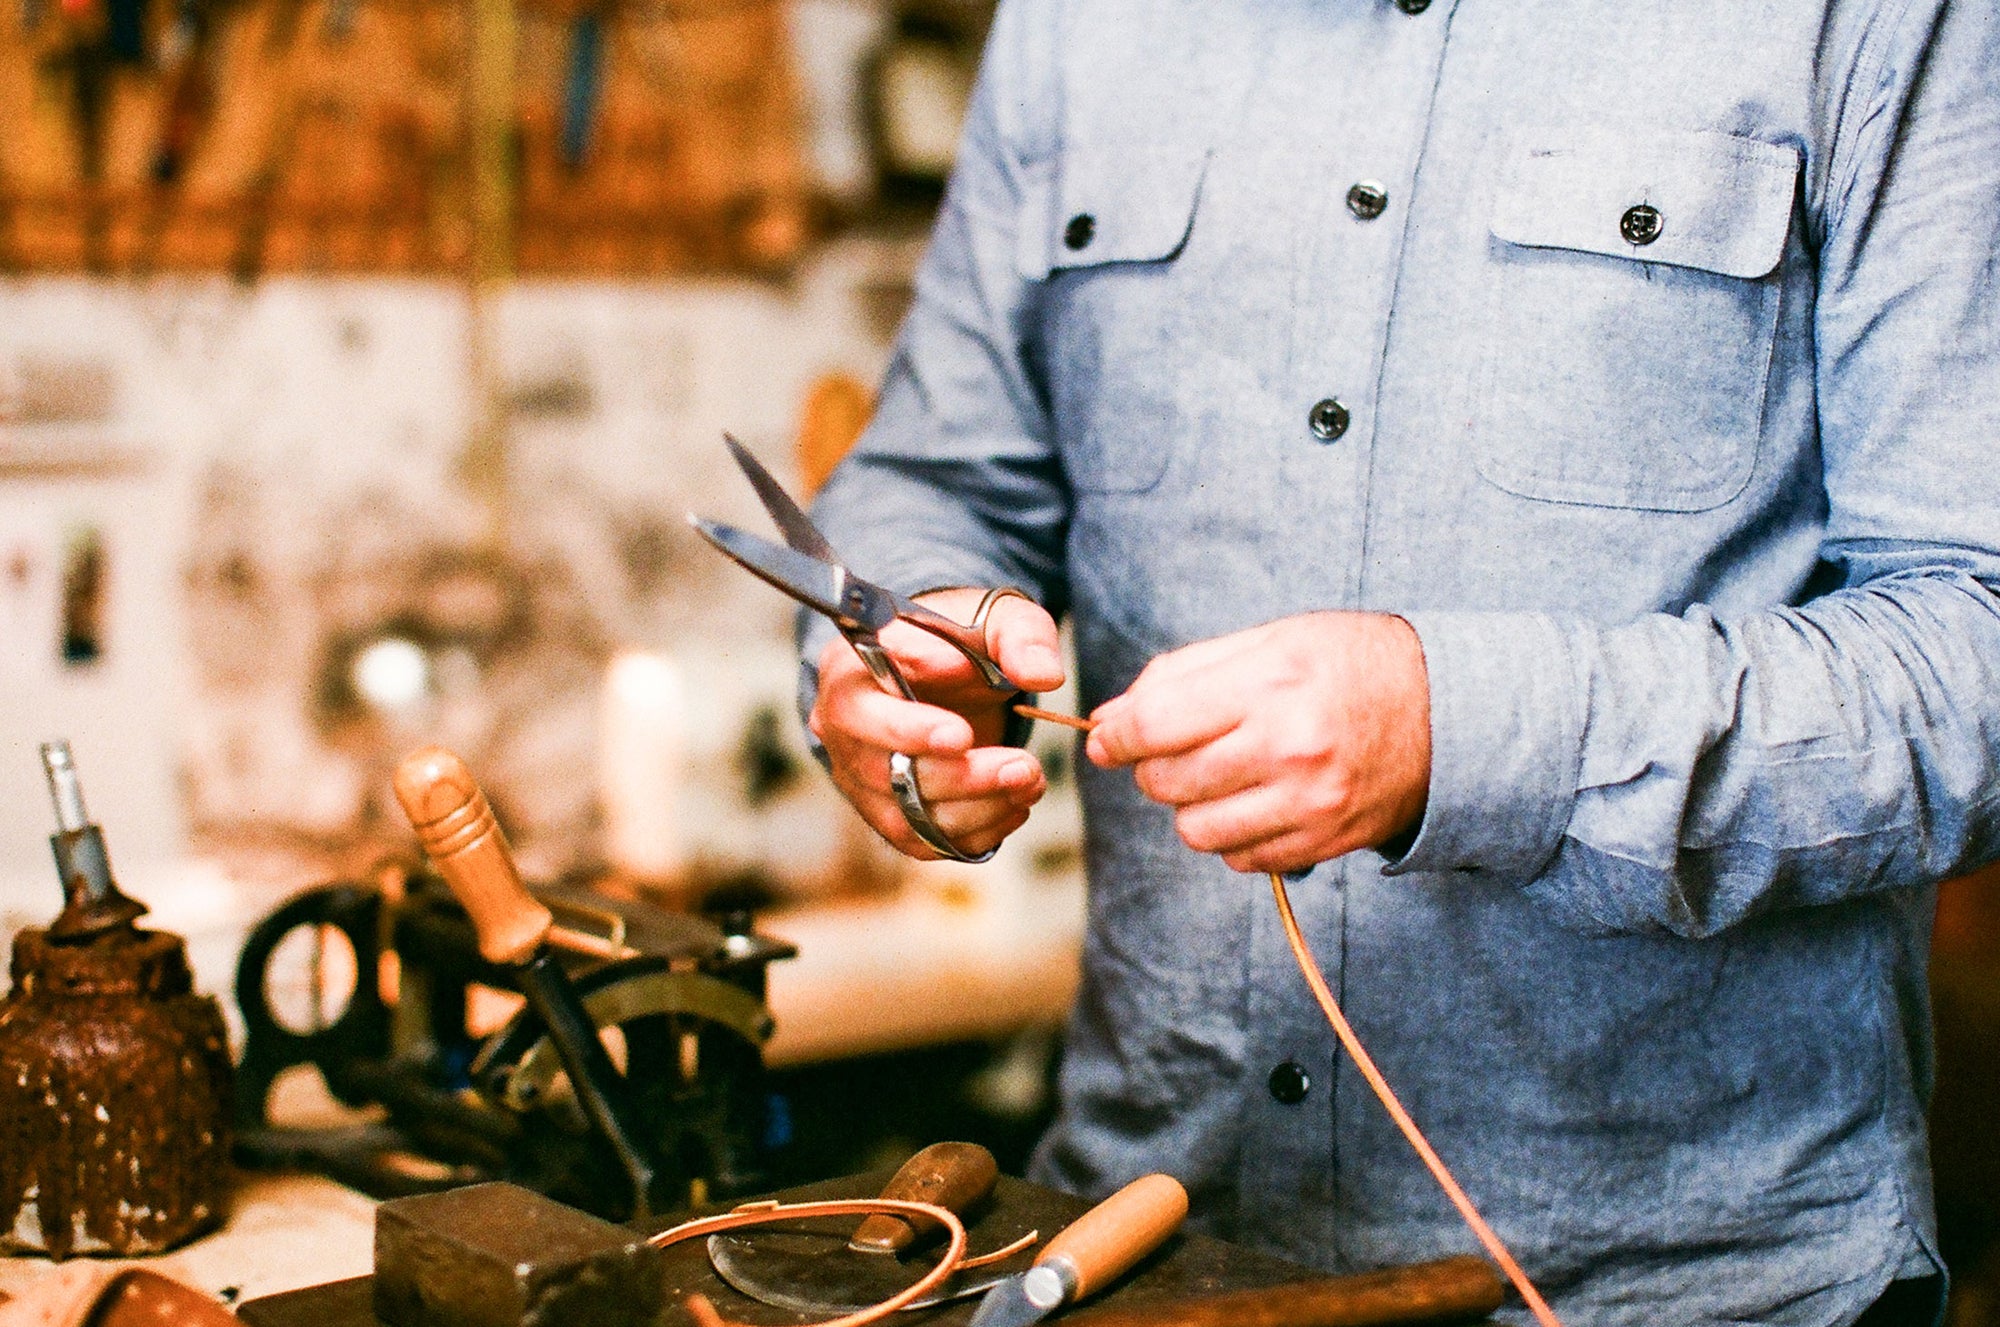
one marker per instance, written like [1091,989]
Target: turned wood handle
[1104,1242]
[457,829]
[949,1175]
[1449,1290]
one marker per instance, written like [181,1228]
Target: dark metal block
[498,1255]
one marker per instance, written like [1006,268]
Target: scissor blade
[816,584]
[821,586]
[793,523]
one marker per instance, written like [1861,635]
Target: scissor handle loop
[880,666]
[968,638]
[903,782]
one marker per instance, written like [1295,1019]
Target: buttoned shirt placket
[1365,75]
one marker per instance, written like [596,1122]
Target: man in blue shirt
[1525,466]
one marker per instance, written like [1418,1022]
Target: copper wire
[757,1214]
[1387,1096]
[1309,968]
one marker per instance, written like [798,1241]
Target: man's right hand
[978,792]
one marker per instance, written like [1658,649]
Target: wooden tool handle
[1448,1290]
[951,1175]
[457,829]
[1104,1242]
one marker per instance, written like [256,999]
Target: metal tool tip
[65,789]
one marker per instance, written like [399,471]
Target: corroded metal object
[114,1074]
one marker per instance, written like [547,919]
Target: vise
[678,999]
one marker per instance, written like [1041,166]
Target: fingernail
[1018,772]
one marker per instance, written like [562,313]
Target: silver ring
[903,782]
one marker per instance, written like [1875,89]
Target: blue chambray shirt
[1696,514]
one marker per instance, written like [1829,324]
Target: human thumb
[1021,637]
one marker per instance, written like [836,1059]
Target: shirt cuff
[1506,742]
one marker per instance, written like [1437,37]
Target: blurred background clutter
[358,361]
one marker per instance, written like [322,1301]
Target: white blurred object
[830,43]
[641,764]
[925,88]
[392,674]
[120,702]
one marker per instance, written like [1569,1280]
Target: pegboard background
[278,136]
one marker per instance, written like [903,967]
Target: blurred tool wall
[332,429]
[637,137]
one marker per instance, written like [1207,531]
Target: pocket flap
[1133,203]
[1718,203]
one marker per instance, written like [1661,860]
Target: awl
[1091,1252]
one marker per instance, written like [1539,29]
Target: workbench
[957,954]
[1187,1267]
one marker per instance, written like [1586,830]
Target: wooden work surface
[283,1231]
[1188,1266]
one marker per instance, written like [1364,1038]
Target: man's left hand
[1284,745]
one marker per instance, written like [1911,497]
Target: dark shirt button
[1289,1083]
[1413,6]
[1082,228]
[1367,199]
[1328,420]
[1641,224]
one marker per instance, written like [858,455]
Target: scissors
[807,569]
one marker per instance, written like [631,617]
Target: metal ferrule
[82,863]
[1050,1284]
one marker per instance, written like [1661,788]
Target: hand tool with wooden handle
[951,1175]
[821,1274]
[1094,1250]
[458,831]
[1448,1290]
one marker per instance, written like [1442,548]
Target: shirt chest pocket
[1634,316]
[1104,234]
